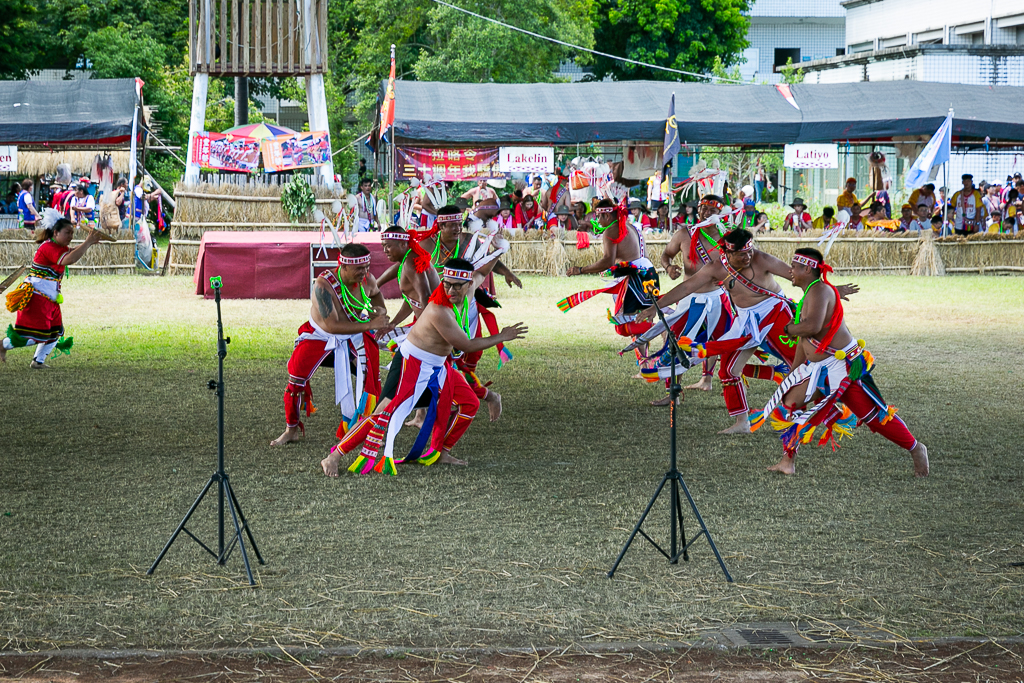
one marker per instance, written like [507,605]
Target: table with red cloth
[271,265]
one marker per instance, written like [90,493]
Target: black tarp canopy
[94,112]
[707,114]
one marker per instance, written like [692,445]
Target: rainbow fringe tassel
[361,465]
[429,458]
[386,465]
[504,356]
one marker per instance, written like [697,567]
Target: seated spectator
[923,220]
[937,226]
[9,205]
[761,223]
[637,214]
[856,219]
[876,213]
[579,212]
[826,220]
[686,214]
[906,217]
[527,214]
[660,221]
[566,219]
[995,221]
[504,218]
[1009,227]
[799,220]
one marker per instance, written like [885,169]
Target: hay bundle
[81,163]
[17,247]
[928,261]
[982,252]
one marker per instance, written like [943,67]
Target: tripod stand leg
[226,487]
[182,525]
[704,530]
[679,516]
[636,529]
[245,525]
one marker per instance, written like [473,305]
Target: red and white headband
[402,236]
[449,218]
[605,209]
[732,248]
[457,274]
[353,260]
[812,262]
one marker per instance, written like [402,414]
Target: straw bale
[982,252]
[41,163]
[928,260]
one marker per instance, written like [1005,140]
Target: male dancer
[424,368]
[762,312]
[413,269]
[346,308]
[624,248]
[831,374]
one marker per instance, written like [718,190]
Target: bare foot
[330,463]
[666,399]
[417,419]
[920,456]
[290,435]
[785,466]
[447,459]
[742,426]
[493,400]
[36,365]
[705,384]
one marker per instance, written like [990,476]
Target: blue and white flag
[935,153]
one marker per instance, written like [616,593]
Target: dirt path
[943,663]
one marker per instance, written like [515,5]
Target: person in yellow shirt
[826,220]
[969,214]
[848,198]
[923,195]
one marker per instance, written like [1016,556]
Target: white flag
[936,152]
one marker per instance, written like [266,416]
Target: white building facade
[801,30]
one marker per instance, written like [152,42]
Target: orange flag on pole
[387,108]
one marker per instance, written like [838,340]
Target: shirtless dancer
[828,356]
[346,308]
[413,269]
[762,312]
[426,367]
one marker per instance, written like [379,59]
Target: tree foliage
[680,34]
[19,38]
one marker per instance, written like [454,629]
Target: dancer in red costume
[831,376]
[424,377]
[346,308]
[762,312]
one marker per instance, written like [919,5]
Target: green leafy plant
[297,198]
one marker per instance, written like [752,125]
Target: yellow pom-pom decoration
[861,343]
[840,355]
[702,352]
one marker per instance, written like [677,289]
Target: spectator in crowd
[760,181]
[535,187]
[685,215]
[748,217]
[799,220]
[906,217]
[761,223]
[969,213]
[992,201]
[10,204]
[579,212]
[1009,227]
[657,190]
[848,198]
[83,207]
[27,214]
[479,193]
[923,195]
[661,221]
[637,214]
[923,219]
[937,228]
[366,207]
[826,220]
[527,215]
[120,201]
[566,219]
[941,201]
[995,221]
[876,213]
[856,219]
[505,219]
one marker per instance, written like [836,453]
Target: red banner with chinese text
[448,164]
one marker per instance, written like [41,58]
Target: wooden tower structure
[258,38]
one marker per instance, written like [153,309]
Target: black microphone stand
[224,491]
[679,545]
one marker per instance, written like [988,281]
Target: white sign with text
[811,156]
[526,159]
[8,159]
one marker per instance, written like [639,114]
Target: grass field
[101,457]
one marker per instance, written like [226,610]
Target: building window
[784,54]
[1020,35]
[840,51]
[977,38]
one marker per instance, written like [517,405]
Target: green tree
[791,75]
[725,75]
[125,52]
[679,34]
[19,35]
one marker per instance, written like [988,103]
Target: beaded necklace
[357,309]
[463,317]
[400,266]
[800,304]
[438,258]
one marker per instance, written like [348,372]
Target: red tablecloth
[270,265]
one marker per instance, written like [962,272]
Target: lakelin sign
[526,159]
[811,156]
[8,159]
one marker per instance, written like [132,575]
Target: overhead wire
[584,49]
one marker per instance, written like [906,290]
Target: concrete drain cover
[767,636]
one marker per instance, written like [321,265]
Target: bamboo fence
[231,206]
[17,247]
